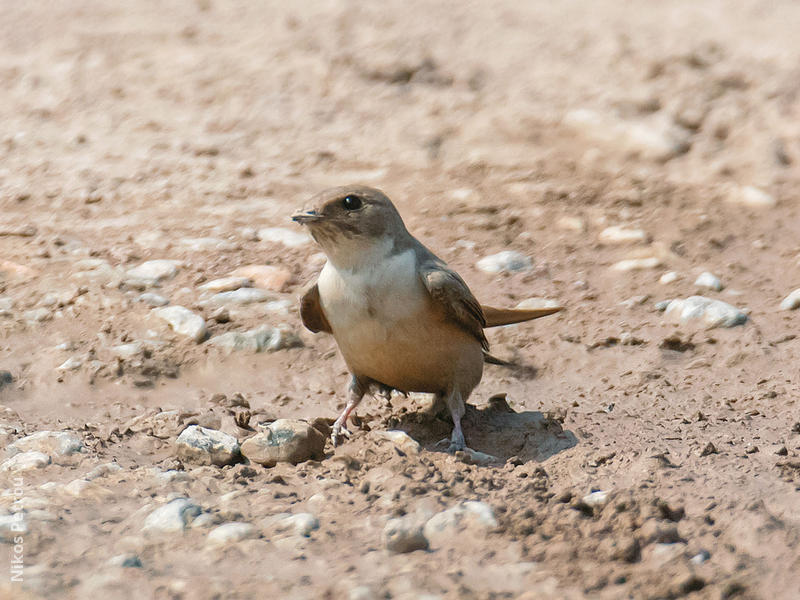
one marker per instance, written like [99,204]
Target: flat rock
[51,443]
[152,272]
[205,446]
[281,235]
[262,338]
[637,264]
[152,299]
[127,351]
[25,461]
[172,517]
[792,301]
[507,261]
[229,533]
[708,280]
[750,196]
[284,440]
[404,535]
[183,321]
[241,296]
[226,284]
[268,277]
[616,234]
[704,311]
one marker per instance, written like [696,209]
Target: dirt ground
[180,130]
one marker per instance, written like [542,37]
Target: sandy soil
[177,130]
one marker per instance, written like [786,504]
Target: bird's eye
[352,202]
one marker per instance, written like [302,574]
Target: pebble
[205,446]
[171,517]
[241,296]
[281,235]
[669,277]
[95,270]
[401,440]
[656,137]
[792,301]
[467,514]
[706,311]
[708,280]
[571,224]
[284,440]
[594,499]
[268,277]
[637,264]
[152,272]
[51,443]
[73,363]
[404,535]
[6,306]
[536,302]
[127,351]
[127,560]
[152,299]
[83,488]
[183,321]
[102,470]
[231,532]
[619,235]
[226,284]
[37,315]
[25,461]
[203,244]
[507,261]
[750,196]
[263,338]
[299,524]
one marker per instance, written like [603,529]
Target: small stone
[619,235]
[102,470]
[596,499]
[281,235]
[152,299]
[127,351]
[263,338]
[299,524]
[83,488]
[536,302]
[152,272]
[669,277]
[700,557]
[51,443]
[750,196]
[241,296]
[792,301]
[227,284]
[470,514]
[404,535]
[571,224]
[709,448]
[37,315]
[205,446]
[25,461]
[704,311]
[507,261]
[230,533]
[172,517]
[73,363]
[402,440]
[183,321]
[221,315]
[637,264]
[268,277]
[708,280]
[127,560]
[284,440]
[12,526]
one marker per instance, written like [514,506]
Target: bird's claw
[338,430]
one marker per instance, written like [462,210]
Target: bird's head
[352,223]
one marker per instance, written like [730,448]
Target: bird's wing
[449,292]
[311,311]
[506,316]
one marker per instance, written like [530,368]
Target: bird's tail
[493,360]
[506,316]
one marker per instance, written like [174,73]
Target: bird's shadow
[495,429]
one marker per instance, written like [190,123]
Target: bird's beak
[306,216]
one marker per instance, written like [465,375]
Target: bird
[402,319]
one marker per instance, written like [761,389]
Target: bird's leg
[457,409]
[355,392]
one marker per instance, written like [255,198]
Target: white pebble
[183,321]
[708,280]
[507,261]
[792,301]
[636,264]
[230,532]
[750,196]
[669,277]
[619,235]
[705,311]
[25,461]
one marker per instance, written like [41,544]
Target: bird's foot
[338,431]
[452,446]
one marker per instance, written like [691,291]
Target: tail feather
[493,360]
[506,316]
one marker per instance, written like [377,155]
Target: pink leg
[355,392]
